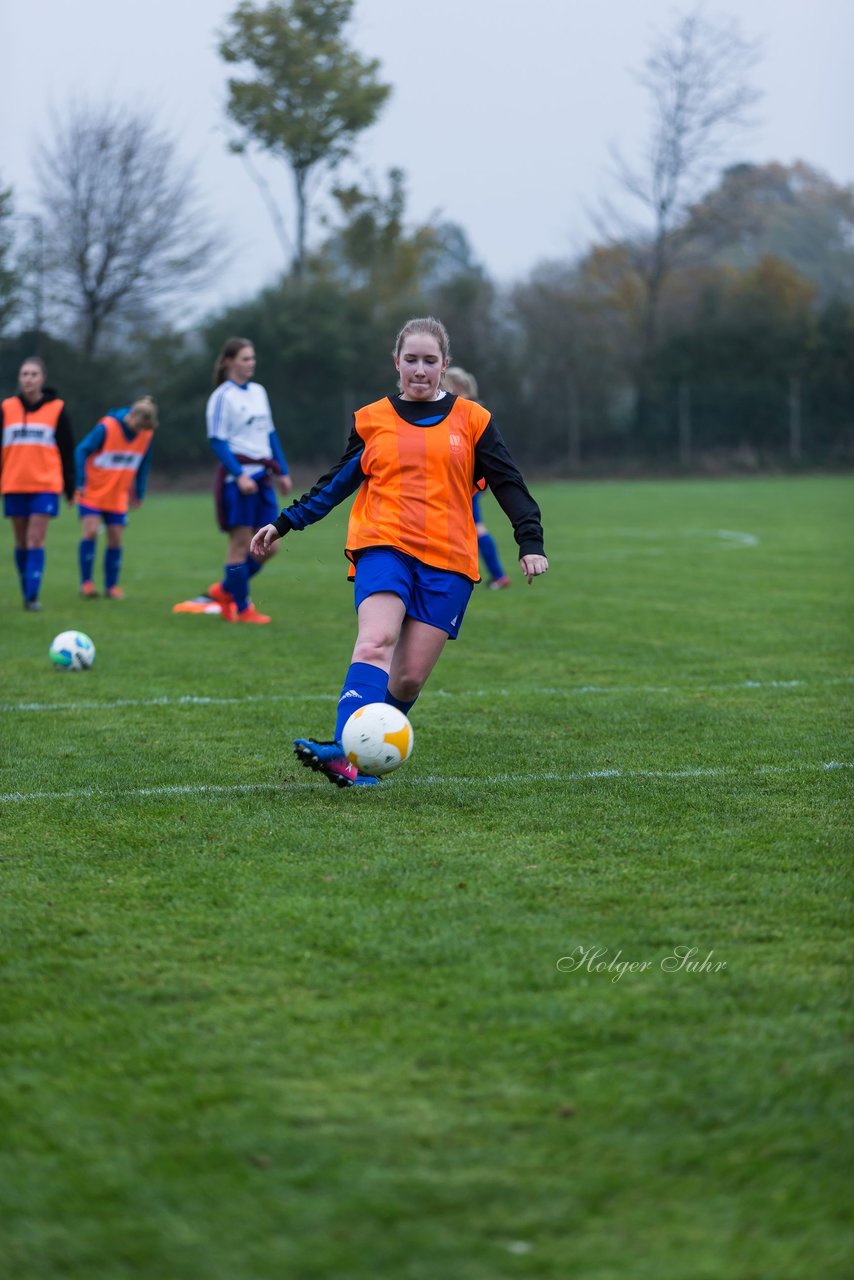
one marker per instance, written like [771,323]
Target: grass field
[254,1028]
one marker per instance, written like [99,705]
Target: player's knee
[375,648]
[407,688]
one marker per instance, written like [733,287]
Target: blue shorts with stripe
[250,509]
[429,595]
[31,504]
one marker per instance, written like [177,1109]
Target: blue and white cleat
[328,758]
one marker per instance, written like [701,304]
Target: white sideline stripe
[568,691]
[498,779]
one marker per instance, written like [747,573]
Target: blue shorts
[109,517]
[31,504]
[250,509]
[434,596]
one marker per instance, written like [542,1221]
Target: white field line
[566,691]
[495,780]
[653,542]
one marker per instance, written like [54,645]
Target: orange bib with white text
[110,472]
[31,459]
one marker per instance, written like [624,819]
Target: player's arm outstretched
[494,461]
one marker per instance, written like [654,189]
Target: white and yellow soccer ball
[377,739]
[72,651]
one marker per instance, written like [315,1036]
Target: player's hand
[285,484]
[246,484]
[264,542]
[134,502]
[533,566]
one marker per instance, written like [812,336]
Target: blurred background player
[111,467]
[37,464]
[413,458]
[461,383]
[244,438]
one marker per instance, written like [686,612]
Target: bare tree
[697,76]
[9,281]
[123,226]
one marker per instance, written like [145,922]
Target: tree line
[716,326]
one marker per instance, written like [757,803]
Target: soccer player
[111,467]
[36,466]
[244,438]
[414,459]
[462,383]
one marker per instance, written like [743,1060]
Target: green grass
[254,1027]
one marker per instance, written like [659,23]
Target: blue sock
[112,566]
[253,566]
[364,684]
[405,707]
[489,551]
[236,583]
[86,558]
[21,563]
[33,570]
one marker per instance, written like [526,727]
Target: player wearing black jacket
[36,465]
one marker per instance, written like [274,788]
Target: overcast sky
[502,111]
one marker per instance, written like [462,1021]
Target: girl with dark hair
[36,466]
[244,438]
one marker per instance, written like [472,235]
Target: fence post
[574,425]
[684,415]
[795,418]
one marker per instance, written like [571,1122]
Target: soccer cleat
[33,606]
[114,593]
[250,614]
[88,590]
[328,759]
[217,592]
[498,584]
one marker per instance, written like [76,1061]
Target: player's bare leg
[416,653]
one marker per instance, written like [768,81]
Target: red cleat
[88,590]
[114,593]
[218,593]
[249,614]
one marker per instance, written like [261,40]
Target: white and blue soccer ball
[377,739]
[72,651]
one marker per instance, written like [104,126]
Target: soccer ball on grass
[72,651]
[377,739]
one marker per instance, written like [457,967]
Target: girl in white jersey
[243,437]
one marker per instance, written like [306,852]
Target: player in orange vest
[36,466]
[463,383]
[413,461]
[112,470]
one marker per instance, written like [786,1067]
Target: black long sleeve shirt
[492,463]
